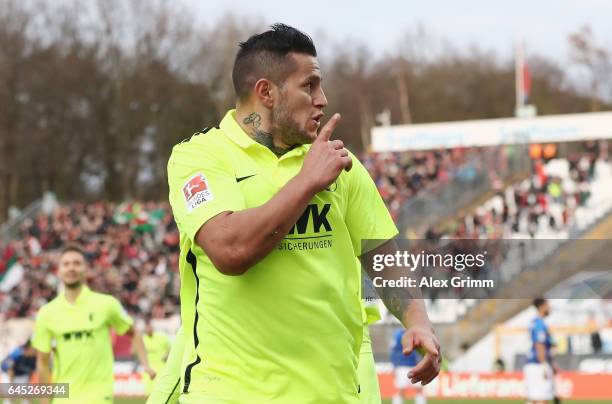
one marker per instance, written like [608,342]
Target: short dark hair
[73,248]
[266,55]
[538,302]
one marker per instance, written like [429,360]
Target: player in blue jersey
[402,365]
[20,363]
[540,368]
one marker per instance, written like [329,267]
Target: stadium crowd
[400,176]
[543,206]
[544,203]
[134,246]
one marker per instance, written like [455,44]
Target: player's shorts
[401,379]
[539,381]
[369,391]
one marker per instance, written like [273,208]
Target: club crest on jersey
[196,192]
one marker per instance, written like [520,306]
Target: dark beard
[74,285]
[288,128]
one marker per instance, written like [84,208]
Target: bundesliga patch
[196,192]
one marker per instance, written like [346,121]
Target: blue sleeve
[7,363]
[396,350]
[539,333]
[398,337]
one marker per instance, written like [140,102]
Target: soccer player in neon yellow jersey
[157,346]
[272,217]
[73,330]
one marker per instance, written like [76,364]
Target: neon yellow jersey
[290,328]
[371,312]
[166,384]
[165,389]
[369,389]
[79,336]
[157,346]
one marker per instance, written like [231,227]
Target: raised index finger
[327,130]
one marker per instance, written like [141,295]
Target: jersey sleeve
[202,184]
[9,361]
[118,317]
[539,333]
[367,217]
[372,314]
[42,338]
[166,384]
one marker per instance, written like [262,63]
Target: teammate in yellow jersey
[272,215]
[157,345]
[72,333]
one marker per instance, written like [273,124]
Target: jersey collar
[85,291]
[230,127]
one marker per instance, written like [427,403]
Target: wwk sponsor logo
[315,214]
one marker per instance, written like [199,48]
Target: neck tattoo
[262,137]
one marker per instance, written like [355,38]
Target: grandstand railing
[468,182]
[10,229]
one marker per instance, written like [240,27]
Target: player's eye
[308,86]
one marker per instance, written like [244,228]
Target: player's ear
[266,92]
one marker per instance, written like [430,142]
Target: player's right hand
[326,158]
[149,370]
[425,340]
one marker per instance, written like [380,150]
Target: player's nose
[320,100]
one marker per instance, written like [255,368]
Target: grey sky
[543,24]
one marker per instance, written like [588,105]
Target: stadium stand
[133,246]
[562,199]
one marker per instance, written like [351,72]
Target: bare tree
[15,47]
[595,60]
[93,95]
